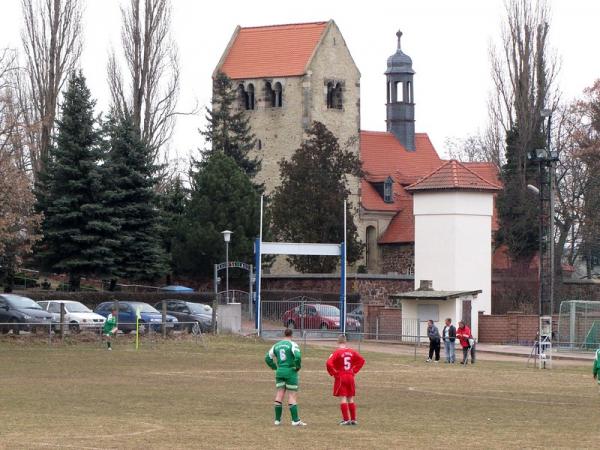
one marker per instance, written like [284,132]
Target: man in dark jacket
[434,341]
[449,336]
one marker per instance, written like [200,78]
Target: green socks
[278,411]
[294,413]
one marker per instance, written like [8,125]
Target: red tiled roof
[272,51]
[382,156]
[453,175]
[402,227]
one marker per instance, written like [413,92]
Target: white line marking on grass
[48,444]
[488,397]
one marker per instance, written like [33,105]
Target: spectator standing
[449,336]
[466,342]
[434,341]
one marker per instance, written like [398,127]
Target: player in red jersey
[343,364]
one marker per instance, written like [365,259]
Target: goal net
[579,325]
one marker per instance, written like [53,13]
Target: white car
[78,317]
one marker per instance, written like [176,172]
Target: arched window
[247,96]
[277,99]
[269,94]
[371,248]
[250,96]
[399,92]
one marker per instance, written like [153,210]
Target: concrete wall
[230,318]
[453,243]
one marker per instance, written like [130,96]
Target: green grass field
[185,395]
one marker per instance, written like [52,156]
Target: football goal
[579,325]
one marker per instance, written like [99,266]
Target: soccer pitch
[220,395]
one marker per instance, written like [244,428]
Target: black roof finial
[399,34]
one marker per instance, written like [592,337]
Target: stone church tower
[289,76]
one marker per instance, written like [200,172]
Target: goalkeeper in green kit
[285,359]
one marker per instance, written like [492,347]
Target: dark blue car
[150,317]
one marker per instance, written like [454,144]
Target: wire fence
[54,333]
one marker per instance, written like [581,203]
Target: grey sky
[447,40]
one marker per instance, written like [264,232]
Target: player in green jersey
[109,328]
[596,367]
[285,359]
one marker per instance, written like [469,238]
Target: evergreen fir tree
[518,208]
[228,128]
[222,198]
[173,202]
[78,231]
[307,206]
[131,197]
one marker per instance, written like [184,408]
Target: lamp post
[227,237]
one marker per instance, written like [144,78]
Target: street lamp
[227,237]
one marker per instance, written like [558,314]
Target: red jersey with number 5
[343,364]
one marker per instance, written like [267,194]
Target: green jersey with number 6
[287,355]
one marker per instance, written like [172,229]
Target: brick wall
[510,328]
[383,322]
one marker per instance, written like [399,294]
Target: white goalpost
[295,248]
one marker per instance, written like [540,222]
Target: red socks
[345,411]
[352,409]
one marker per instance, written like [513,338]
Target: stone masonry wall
[372,289]
[398,258]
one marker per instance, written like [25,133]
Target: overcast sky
[447,40]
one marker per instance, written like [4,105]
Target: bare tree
[475,148]
[150,94]
[51,38]
[523,74]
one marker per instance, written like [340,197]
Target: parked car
[19,313]
[150,316]
[358,314]
[313,316]
[77,316]
[194,313]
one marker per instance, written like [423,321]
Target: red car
[315,316]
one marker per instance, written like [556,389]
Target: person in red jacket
[463,333]
[343,364]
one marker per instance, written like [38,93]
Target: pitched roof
[401,229]
[271,51]
[383,155]
[453,175]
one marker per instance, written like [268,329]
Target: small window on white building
[427,312]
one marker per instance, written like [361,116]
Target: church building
[288,76]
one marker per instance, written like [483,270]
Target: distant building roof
[455,176]
[271,51]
